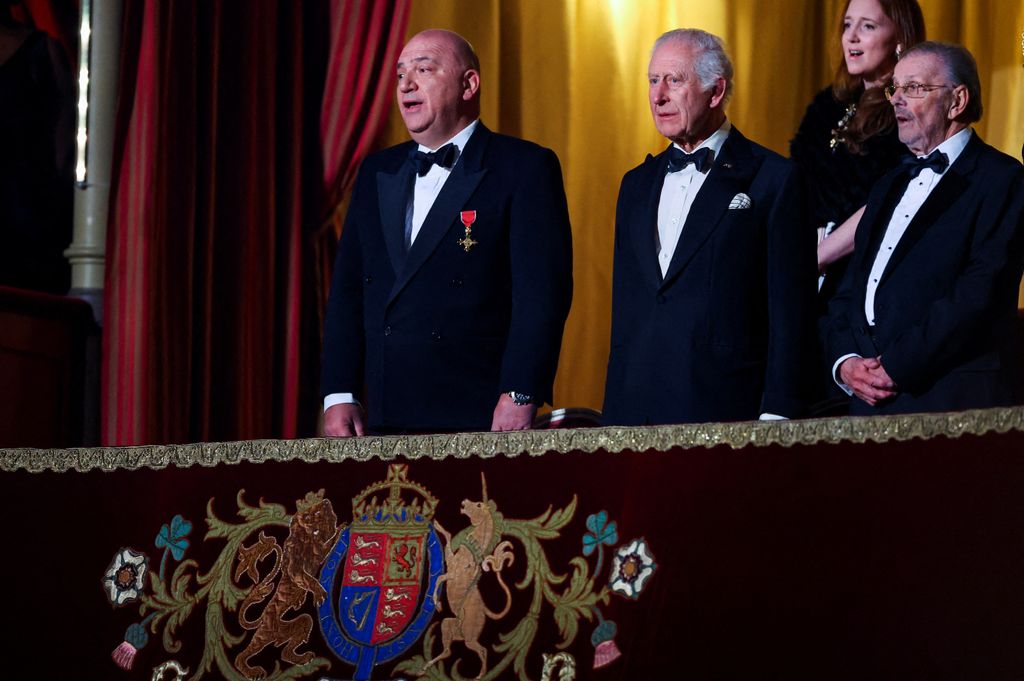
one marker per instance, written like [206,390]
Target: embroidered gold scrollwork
[567,671]
[899,428]
[170,666]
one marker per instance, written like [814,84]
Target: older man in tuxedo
[925,316]
[714,274]
[454,272]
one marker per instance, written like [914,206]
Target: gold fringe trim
[532,442]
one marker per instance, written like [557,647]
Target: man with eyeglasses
[925,316]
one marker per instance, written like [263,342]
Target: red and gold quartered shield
[382,581]
[387,563]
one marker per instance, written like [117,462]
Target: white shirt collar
[954,146]
[715,142]
[459,140]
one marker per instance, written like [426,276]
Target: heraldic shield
[382,575]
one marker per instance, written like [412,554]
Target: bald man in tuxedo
[454,272]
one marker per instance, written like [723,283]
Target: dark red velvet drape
[209,301]
[56,18]
[366,39]
[219,194]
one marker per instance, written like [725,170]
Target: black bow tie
[444,157]
[936,160]
[679,159]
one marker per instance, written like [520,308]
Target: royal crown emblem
[380,596]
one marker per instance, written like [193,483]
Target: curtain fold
[56,18]
[366,39]
[211,331]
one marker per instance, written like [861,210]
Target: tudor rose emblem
[382,574]
[468,218]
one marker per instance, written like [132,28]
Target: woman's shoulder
[822,115]
[824,105]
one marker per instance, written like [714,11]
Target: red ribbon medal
[468,218]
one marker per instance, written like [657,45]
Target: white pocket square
[739,201]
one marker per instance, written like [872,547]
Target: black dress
[36,181]
[837,183]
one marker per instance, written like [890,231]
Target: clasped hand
[868,379]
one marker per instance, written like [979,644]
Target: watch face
[520,398]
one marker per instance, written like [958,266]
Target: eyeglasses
[912,90]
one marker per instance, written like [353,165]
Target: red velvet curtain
[366,39]
[218,200]
[56,18]
[216,195]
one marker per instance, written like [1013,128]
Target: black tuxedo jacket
[946,303]
[437,333]
[727,334]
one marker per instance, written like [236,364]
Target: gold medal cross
[467,242]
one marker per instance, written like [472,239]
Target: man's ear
[959,104]
[717,93]
[470,84]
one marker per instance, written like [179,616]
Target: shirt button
[675,221]
[875,280]
[387,330]
[368,280]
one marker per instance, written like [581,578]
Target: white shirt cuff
[835,373]
[339,398]
[772,417]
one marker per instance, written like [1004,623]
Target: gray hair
[711,62]
[961,69]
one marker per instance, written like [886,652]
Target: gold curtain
[571,75]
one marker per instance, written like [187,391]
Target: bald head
[438,86]
[463,52]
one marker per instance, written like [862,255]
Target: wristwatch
[520,399]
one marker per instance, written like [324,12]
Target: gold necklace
[838,132]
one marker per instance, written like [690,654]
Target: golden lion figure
[311,536]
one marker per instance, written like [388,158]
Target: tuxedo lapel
[460,185]
[643,223]
[394,192]
[949,188]
[874,224]
[729,175]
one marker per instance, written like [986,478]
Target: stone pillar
[99,54]
[100,38]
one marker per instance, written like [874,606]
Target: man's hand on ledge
[867,378]
[344,420]
[511,416]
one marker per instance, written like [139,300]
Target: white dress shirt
[426,188]
[424,193]
[677,194]
[910,203]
